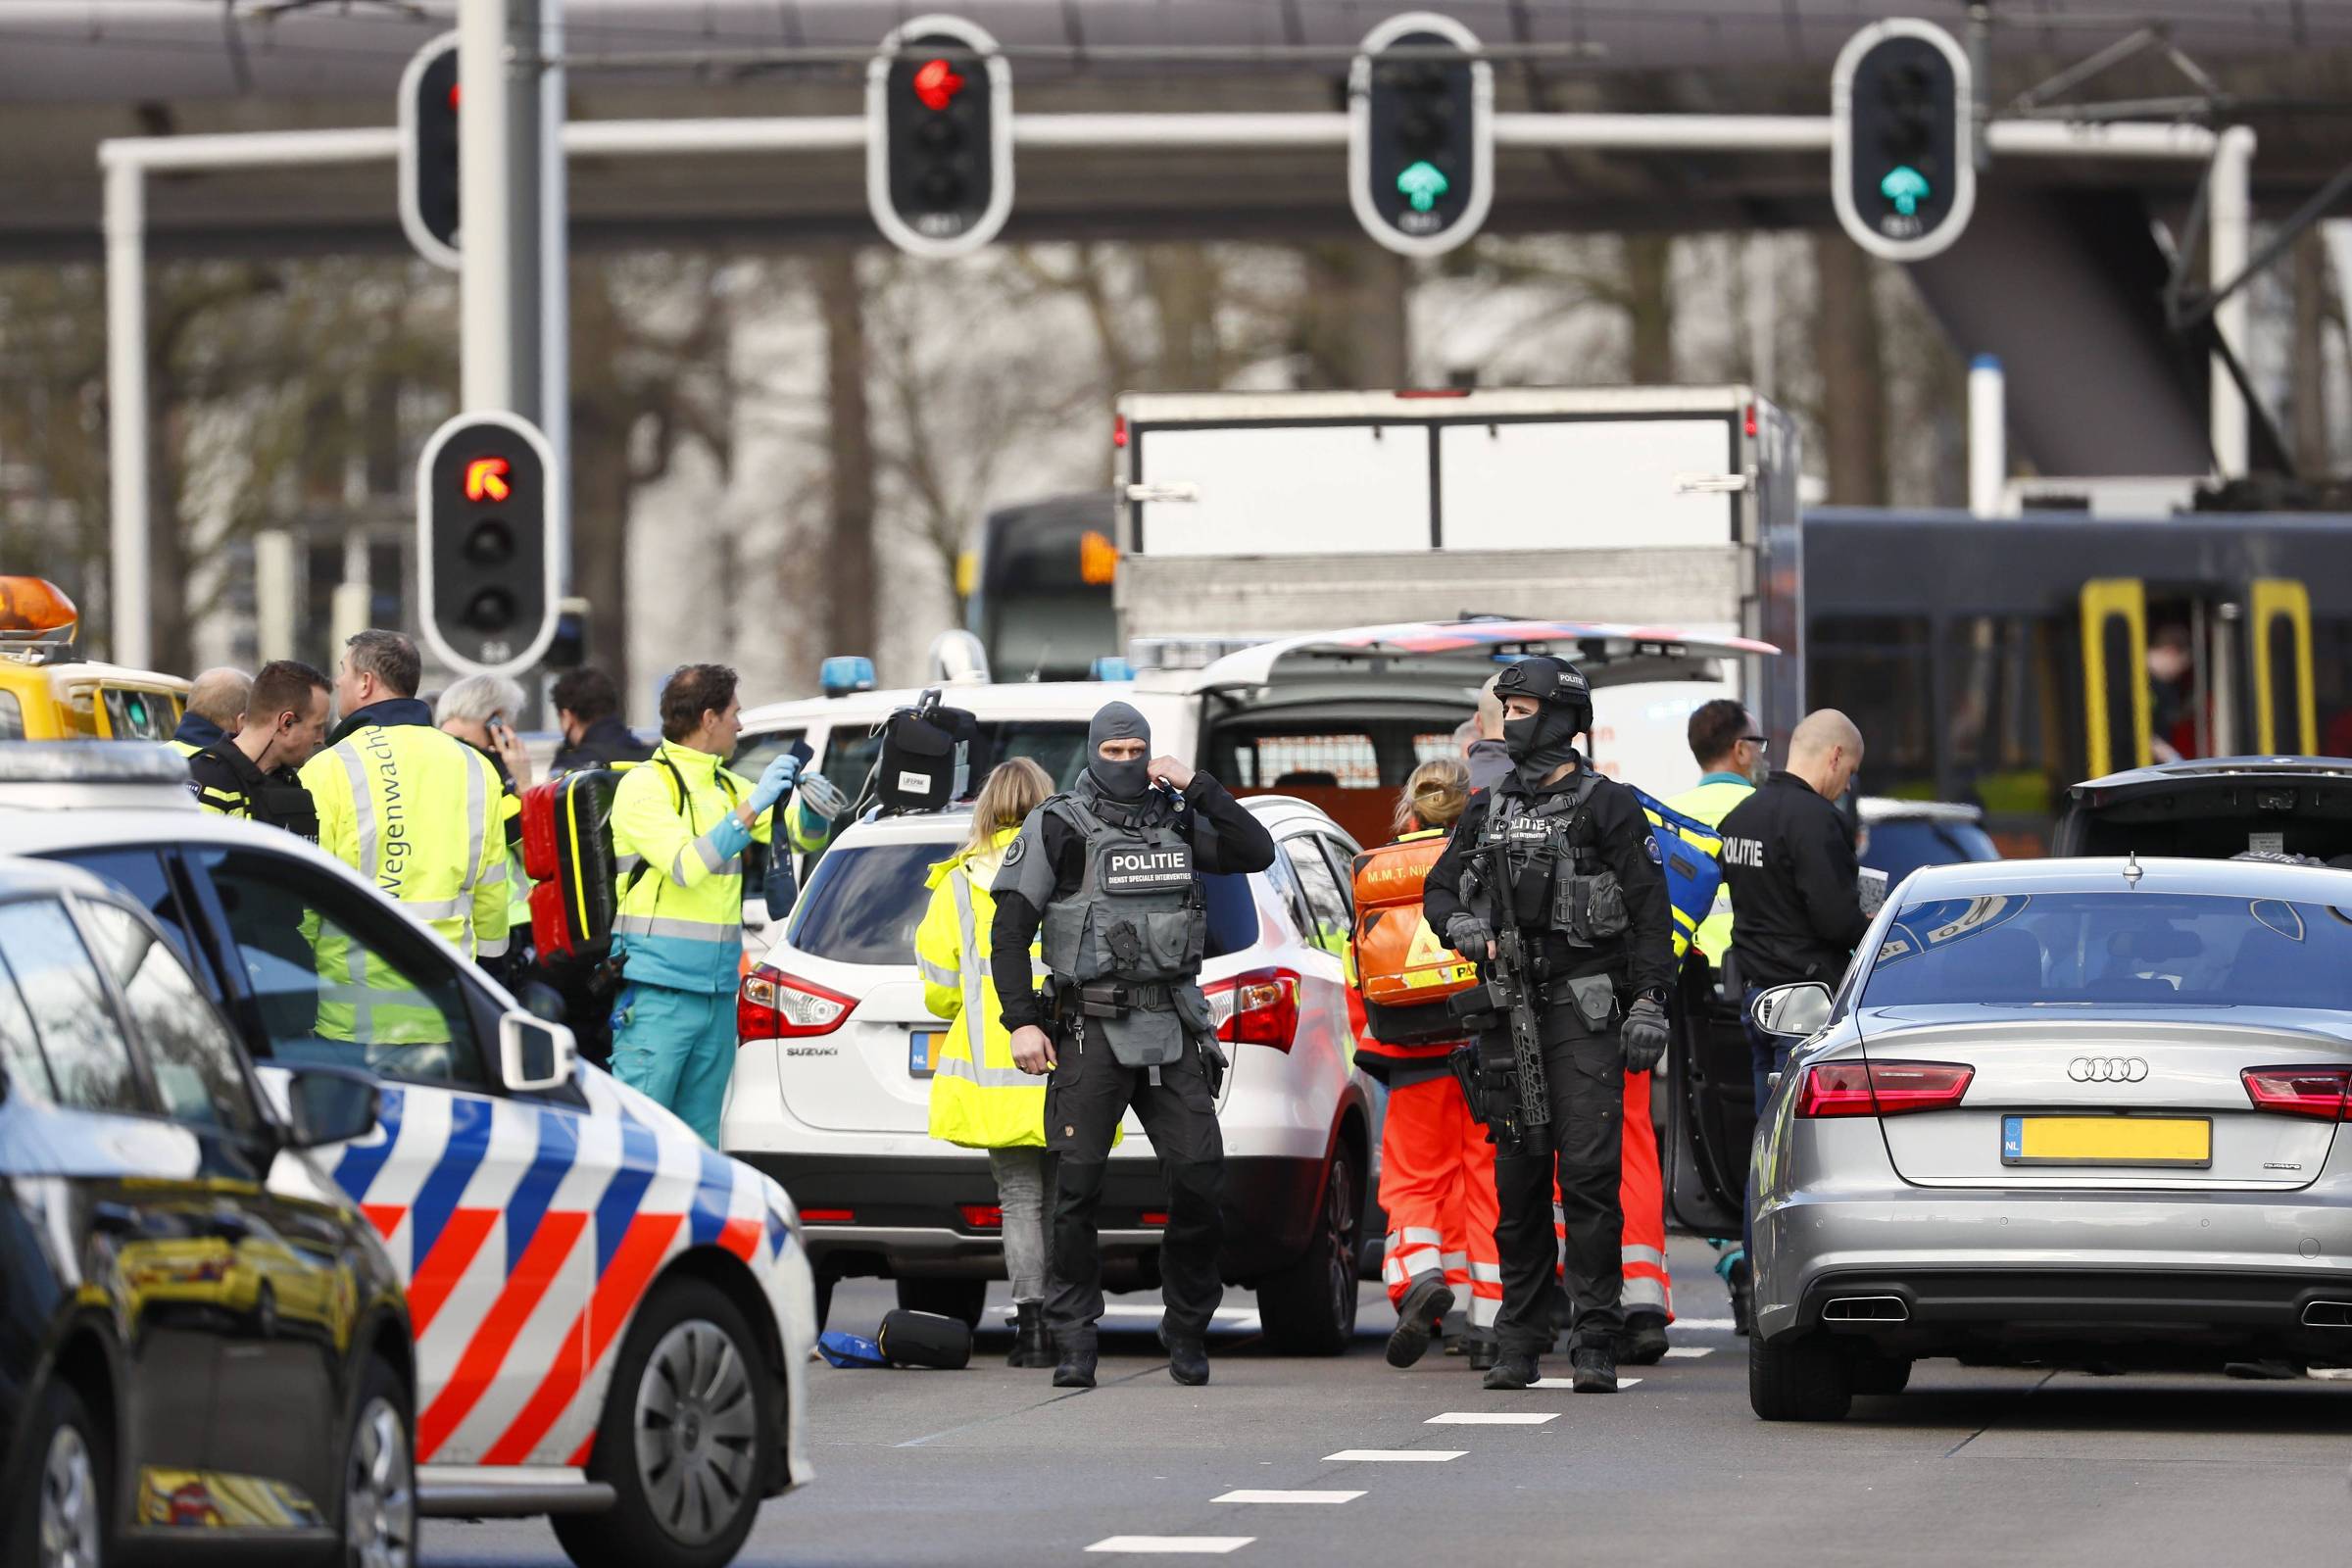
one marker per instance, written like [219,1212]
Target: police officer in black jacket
[1788,857]
[1796,902]
[1110,870]
[1587,885]
[253,774]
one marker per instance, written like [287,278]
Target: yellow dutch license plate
[2177,1140]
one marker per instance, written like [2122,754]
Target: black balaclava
[1119,781]
[1546,738]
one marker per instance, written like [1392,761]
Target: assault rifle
[1506,1085]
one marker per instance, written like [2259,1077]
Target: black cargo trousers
[1086,1097]
[1585,1072]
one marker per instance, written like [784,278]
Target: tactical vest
[1130,938]
[1558,880]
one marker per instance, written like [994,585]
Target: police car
[611,1318]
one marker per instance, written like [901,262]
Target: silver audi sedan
[2072,1112]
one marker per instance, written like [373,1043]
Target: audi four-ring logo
[2107,1069]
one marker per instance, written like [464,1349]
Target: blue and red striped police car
[611,1317]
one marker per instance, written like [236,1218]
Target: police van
[574,1257]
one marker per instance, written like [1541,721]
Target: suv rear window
[864,903]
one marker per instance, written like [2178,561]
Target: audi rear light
[982,1216]
[1260,1007]
[775,1006]
[2300,1091]
[1881,1088]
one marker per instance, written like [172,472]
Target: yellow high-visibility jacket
[978,1098]
[1711,801]
[417,812]
[680,852]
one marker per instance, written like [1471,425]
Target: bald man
[217,701]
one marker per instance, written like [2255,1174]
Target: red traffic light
[936,83]
[486,480]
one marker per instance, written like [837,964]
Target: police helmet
[1549,680]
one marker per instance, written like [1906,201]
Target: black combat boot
[1187,1358]
[1513,1369]
[1482,1348]
[1642,1340]
[1596,1369]
[1425,1303]
[1030,1347]
[1743,1282]
[1076,1369]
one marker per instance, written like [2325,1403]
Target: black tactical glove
[1468,935]
[1644,1035]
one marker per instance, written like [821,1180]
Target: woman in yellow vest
[979,1099]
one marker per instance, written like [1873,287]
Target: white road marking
[1259,1494]
[1173,1546]
[1690,1352]
[1493,1418]
[1228,1319]
[1722,1323]
[1570,1383]
[1393,1456]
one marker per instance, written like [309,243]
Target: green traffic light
[1422,183]
[1906,187]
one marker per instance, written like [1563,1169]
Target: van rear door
[1342,719]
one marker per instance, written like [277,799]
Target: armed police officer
[1551,883]
[1111,869]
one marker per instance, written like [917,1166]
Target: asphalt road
[991,1466]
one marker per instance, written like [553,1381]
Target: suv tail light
[1881,1088]
[775,1006]
[1260,1007]
[2300,1091]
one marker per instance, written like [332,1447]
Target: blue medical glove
[776,781]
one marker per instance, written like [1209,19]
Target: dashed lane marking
[1722,1324]
[1173,1546]
[1623,1383]
[1393,1455]
[1493,1418]
[1262,1494]
[1688,1351]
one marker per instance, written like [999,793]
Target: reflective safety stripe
[1642,1255]
[1421,1234]
[937,975]
[1485,1311]
[975,1010]
[986,1077]
[363,808]
[496,876]
[626,864]
[440,908]
[495,948]
[660,925]
[1487,1274]
[475,810]
[1643,1291]
[707,853]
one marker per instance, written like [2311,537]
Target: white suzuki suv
[832,1086]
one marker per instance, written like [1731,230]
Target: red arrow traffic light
[486,480]
[936,83]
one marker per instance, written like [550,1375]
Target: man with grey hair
[414,811]
[217,701]
[479,710]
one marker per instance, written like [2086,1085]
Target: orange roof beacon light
[36,618]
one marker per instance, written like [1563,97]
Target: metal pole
[554,279]
[131,640]
[495,230]
[2231,218]
[1987,435]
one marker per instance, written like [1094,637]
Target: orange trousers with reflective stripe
[1641,1193]
[1436,1183]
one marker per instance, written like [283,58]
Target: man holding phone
[684,827]
[1112,870]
